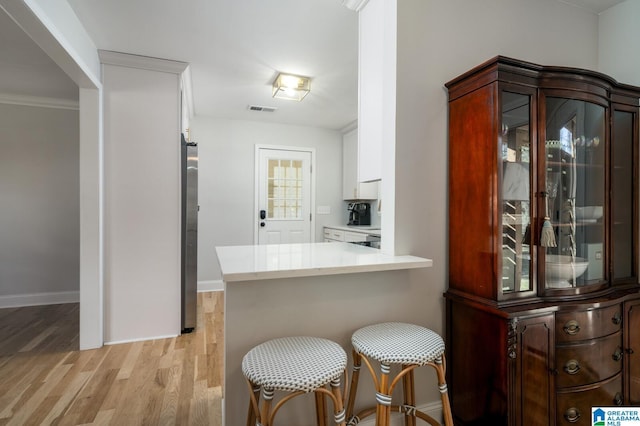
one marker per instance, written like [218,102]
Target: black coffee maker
[359,214]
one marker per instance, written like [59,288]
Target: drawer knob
[572,415]
[572,367]
[617,355]
[618,399]
[571,327]
[617,318]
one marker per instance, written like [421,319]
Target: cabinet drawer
[588,362]
[354,237]
[574,408]
[582,325]
[334,234]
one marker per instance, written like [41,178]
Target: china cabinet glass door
[622,199]
[516,194]
[573,232]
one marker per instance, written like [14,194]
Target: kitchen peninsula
[324,289]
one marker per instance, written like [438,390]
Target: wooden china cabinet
[543,303]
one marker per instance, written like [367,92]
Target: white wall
[142,203]
[618,31]
[226,180]
[437,41]
[57,30]
[39,208]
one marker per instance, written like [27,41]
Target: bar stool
[297,365]
[408,345]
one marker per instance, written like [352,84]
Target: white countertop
[257,262]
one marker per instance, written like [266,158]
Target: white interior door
[283,188]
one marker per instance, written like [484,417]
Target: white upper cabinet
[376,68]
[351,188]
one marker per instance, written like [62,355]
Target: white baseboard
[434,409]
[212,285]
[36,299]
[141,339]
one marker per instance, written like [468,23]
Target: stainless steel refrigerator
[189,234]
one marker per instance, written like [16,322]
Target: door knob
[262,224]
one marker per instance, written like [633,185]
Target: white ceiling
[235,48]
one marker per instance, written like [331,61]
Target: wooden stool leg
[408,388]
[254,401]
[321,409]
[355,377]
[267,396]
[338,413]
[383,406]
[444,394]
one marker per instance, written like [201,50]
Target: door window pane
[284,189]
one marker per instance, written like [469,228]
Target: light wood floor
[45,379]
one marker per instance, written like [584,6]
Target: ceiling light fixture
[289,86]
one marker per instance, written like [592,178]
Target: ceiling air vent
[262,108]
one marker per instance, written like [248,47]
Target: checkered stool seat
[294,363]
[408,345]
[398,343]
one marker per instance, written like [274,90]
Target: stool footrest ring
[353,421]
[409,410]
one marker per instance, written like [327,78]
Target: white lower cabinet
[355,237]
[333,234]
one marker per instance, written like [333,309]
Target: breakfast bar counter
[320,289]
[242,263]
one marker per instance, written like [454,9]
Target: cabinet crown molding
[142,62]
[38,101]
